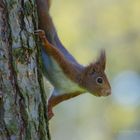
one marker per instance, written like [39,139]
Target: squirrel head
[94,78]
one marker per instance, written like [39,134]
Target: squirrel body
[68,77]
[54,73]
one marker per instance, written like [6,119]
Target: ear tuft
[101,61]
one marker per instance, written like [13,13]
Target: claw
[39,32]
[50,112]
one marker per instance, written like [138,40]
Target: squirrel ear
[102,59]
[90,69]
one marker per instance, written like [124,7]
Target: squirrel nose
[107,92]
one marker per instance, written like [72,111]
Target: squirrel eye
[99,80]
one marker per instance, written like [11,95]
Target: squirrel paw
[50,113]
[40,32]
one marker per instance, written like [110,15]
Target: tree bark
[23,101]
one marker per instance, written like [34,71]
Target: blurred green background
[84,28]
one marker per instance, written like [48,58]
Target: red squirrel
[68,77]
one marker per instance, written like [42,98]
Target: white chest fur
[62,84]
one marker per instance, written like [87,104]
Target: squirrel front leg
[70,69]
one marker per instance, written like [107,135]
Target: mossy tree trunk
[22,97]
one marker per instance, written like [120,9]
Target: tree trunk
[23,100]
